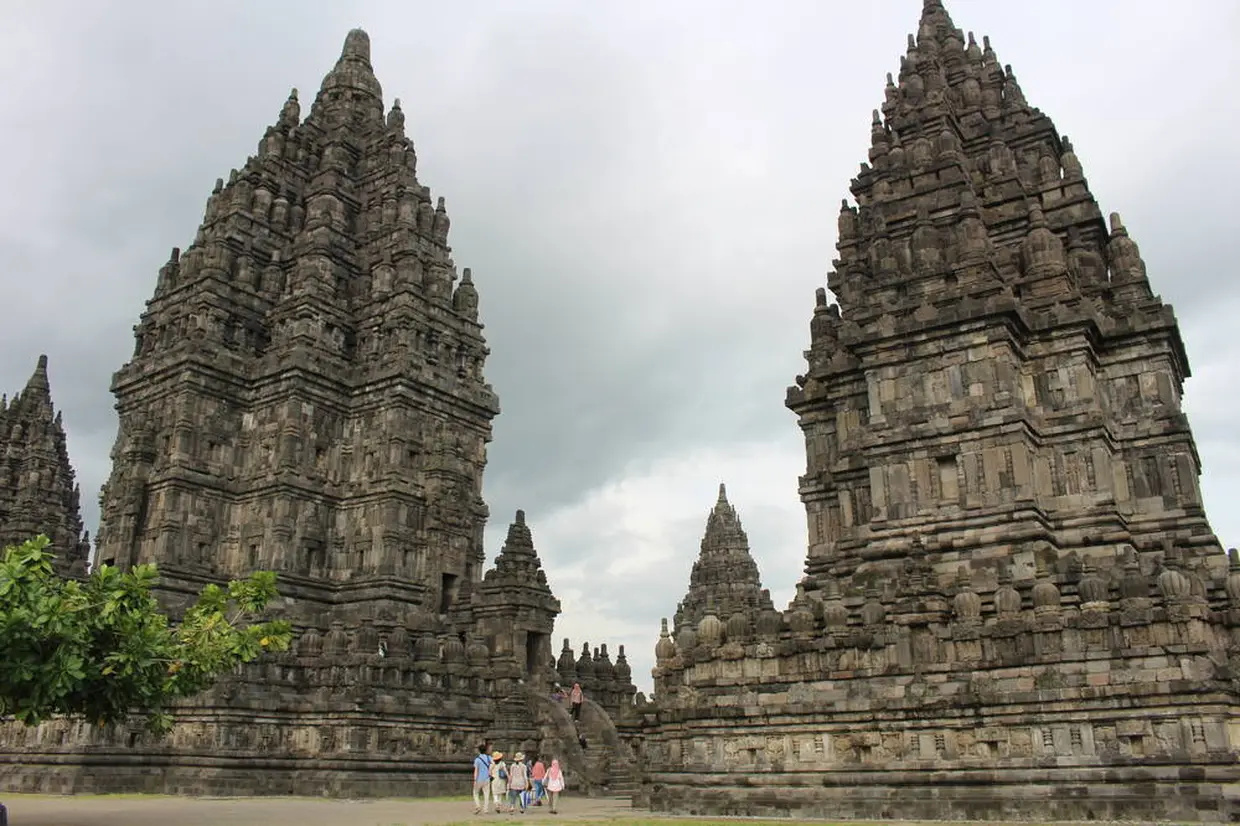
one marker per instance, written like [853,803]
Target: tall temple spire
[724,579]
[962,167]
[37,490]
[337,369]
[1000,479]
[972,211]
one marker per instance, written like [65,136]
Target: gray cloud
[646,193]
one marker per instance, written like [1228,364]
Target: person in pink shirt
[575,698]
[538,774]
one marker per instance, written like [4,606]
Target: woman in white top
[499,779]
[518,783]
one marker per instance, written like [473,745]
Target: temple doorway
[535,644]
[447,592]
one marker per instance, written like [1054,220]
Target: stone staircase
[605,768]
[608,757]
[615,778]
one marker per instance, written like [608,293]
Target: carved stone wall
[1014,605]
[1100,689]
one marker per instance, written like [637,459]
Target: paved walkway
[90,810]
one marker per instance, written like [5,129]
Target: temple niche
[306,395]
[1013,604]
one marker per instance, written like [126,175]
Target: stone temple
[1013,604]
[306,395]
[37,491]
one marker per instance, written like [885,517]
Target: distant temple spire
[38,494]
[724,579]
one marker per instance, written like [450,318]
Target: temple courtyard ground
[158,810]
[154,810]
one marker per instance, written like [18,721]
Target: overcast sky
[646,192]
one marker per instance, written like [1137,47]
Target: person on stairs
[555,784]
[482,781]
[575,698]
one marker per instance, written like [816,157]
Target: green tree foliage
[101,648]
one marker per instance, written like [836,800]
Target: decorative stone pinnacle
[356,45]
[518,543]
[38,383]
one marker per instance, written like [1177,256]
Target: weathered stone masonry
[306,395]
[1013,604]
[37,490]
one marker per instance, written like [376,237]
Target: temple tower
[306,390]
[514,607]
[997,382]
[1013,604]
[724,582]
[37,490]
[306,395]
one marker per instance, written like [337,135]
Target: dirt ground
[152,810]
[136,810]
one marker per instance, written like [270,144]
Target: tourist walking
[539,775]
[555,784]
[482,780]
[499,779]
[575,698]
[518,783]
